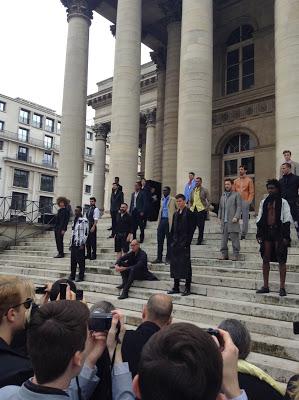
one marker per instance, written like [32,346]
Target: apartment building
[29,153]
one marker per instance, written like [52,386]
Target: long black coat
[116,199]
[182,233]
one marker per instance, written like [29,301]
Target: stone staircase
[222,289]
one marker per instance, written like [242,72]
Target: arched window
[239,150]
[240,60]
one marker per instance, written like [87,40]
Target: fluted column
[73,123]
[101,131]
[159,58]
[169,164]
[150,144]
[195,97]
[126,95]
[287,78]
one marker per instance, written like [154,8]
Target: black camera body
[41,289]
[99,321]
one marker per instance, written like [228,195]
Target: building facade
[29,153]
[223,89]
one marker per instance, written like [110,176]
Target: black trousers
[77,258]
[59,241]
[162,232]
[200,220]
[91,244]
[138,221]
[129,276]
[113,221]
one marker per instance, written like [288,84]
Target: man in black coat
[116,199]
[61,223]
[123,231]
[182,233]
[138,210]
[155,315]
[133,266]
[289,184]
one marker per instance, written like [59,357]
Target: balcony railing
[43,163]
[35,142]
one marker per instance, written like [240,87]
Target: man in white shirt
[92,215]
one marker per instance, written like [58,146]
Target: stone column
[126,95]
[195,98]
[150,144]
[287,78]
[170,136]
[159,58]
[101,131]
[73,123]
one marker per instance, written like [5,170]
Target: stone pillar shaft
[159,126]
[195,98]
[169,163]
[101,131]
[150,144]
[287,78]
[73,124]
[126,95]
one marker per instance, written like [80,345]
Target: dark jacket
[138,262]
[116,199]
[289,187]
[140,202]
[62,219]
[257,389]
[182,233]
[15,368]
[134,341]
[124,223]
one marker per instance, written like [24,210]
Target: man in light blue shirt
[190,185]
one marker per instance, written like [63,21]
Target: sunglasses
[27,304]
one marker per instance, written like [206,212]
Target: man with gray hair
[156,314]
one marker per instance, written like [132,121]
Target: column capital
[80,8]
[159,58]
[101,130]
[172,10]
[150,117]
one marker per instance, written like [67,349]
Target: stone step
[210,303]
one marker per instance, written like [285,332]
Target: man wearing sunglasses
[15,303]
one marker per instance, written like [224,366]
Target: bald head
[135,245]
[158,309]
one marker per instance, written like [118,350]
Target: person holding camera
[79,237]
[133,266]
[64,354]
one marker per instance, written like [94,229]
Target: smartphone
[216,333]
[296,327]
[79,294]
[62,290]
[40,289]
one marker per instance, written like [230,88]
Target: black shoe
[71,278]
[109,229]
[123,296]
[173,291]
[243,237]
[93,257]
[262,290]
[186,292]
[79,279]
[120,287]
[199,242]
[87,257]
[59,256]
[167,261]
[141,240]
[110,237]
[157,261]
[282,292]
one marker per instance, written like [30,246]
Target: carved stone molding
[101,130]
[150,117]
[79,8]
[266,106]
[172,10]
[159,58]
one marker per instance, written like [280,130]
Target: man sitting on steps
[133,266]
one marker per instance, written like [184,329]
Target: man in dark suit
[138,210]
[155,315]
[116,180]
[62,220]
[123,231]
[116,199]
[133,266]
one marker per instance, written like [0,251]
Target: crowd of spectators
[56,349]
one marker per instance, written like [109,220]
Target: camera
[99,321]
[41,289]
[79,294]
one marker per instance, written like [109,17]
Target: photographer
[61,348]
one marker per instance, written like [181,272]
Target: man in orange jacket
[244,186]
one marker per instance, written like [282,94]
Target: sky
[33,43]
